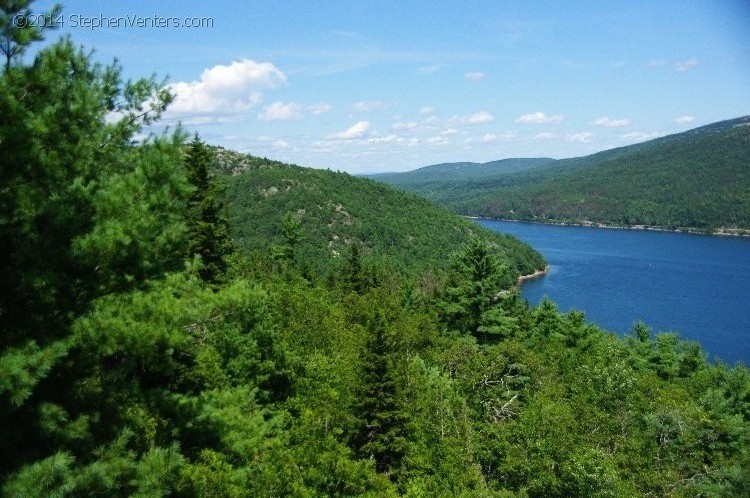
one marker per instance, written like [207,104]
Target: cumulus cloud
[474,76]
[369,106]
[479,117]
[582,138]
[684,120]
[279,144]
[357,130]
[539,118]
[437,141]
[224,92]
[427,110]
[279,111]
[410,125]
[654,63]
[612,123]
[384,140]
[320,108]
[638,136]
[687,65]
[489,138]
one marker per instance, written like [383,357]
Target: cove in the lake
[696,285]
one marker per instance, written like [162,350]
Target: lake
[697,285]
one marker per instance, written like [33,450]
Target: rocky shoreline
[721,232]
[536,274]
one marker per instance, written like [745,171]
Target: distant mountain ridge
[695,180]
[462,170]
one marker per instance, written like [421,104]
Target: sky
[369,87]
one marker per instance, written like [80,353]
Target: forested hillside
[451,172]
[145,351]
[330,211]
[699,179]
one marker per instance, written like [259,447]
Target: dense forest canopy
[334,210]
[151,345]
[450,172]
[698,180]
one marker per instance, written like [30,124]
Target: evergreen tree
[83,213]
[292,232]
[208,234]
[19,27]
[473,292]
[380,436]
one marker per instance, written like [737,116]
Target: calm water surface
[696,285]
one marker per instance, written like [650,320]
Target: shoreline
[722,232]
[536,274]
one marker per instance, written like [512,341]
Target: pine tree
[380,437]
[472,294]
[83,213]
[19,28]
[208,232]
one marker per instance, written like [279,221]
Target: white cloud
[437,141]
[687,65]
[654,63]
[410,125]
[474,76]
[357,130]
[684,120]
[279,144]
[479,117]
[427,110]
[369,106]
[224,92]
[582,138]
[320,108]
[279,111]
[539,118]
[386,139]
[449,131]
[612,123]
[638,136]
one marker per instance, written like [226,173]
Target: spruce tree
[473,291]
[380,436]
[208,233]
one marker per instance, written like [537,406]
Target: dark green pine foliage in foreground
[124,373]
[699,179]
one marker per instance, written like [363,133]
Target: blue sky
[367,87]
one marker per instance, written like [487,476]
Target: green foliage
[473,291]
[698,180]
[126,370]
[208,233]
[335,210]
[19,28]
[426,177]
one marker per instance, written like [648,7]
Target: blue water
[696,285]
